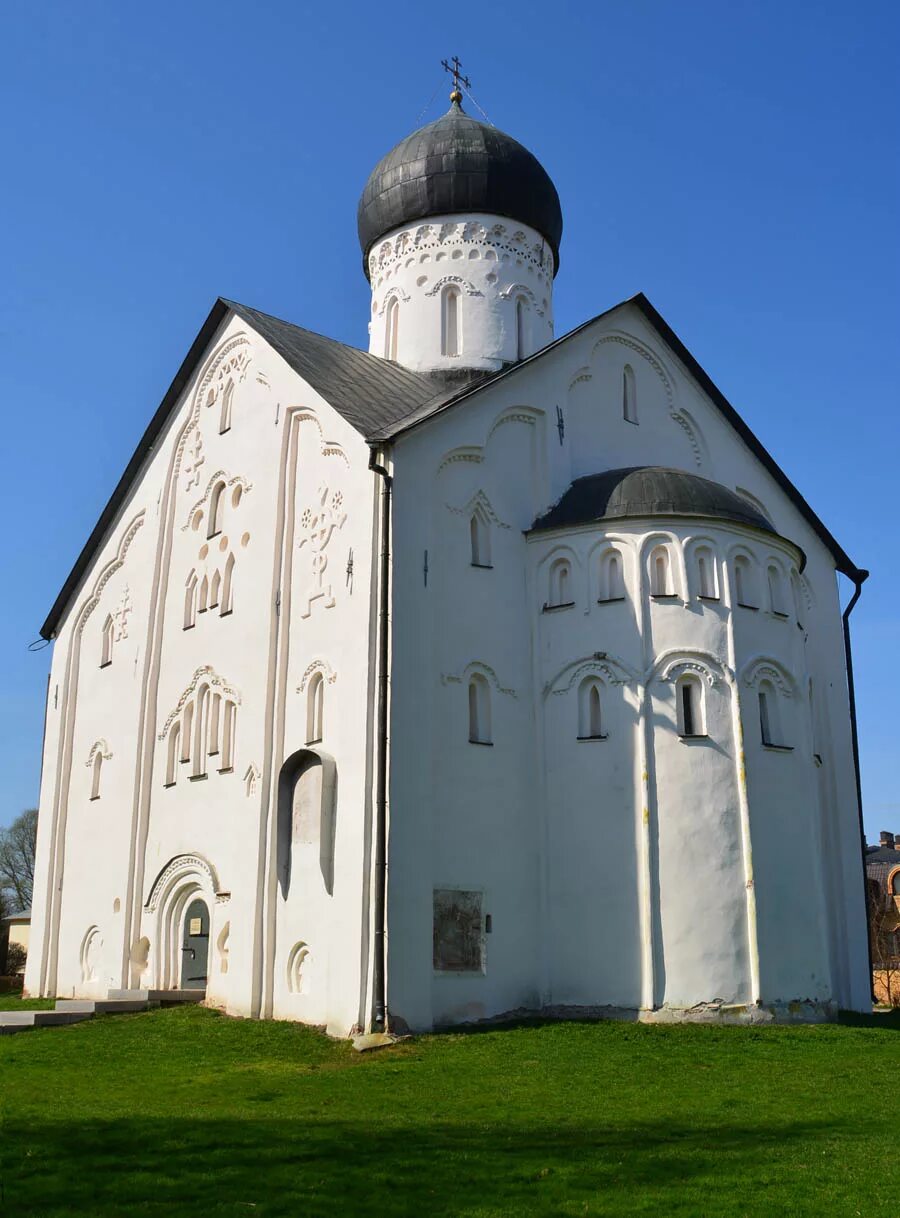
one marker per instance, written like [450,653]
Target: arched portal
[186,889]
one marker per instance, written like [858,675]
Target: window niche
[96,769]
[690,706]
[106,643]
[391,328]
[479,710]
[216,520]
[707,578]
[744,583]
[629,395]
[458,931]
[775,581]
[450,321]
[521,330]
[661,584]
[590,710]
[480,540]
[612,577]
[315,709]
[560,585]
[225,414]
[770,725]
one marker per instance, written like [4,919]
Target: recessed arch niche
[307,803]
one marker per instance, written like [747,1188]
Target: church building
[480,672]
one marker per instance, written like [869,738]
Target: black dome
[648,490]
[456,165]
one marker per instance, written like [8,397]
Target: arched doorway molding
[184,878]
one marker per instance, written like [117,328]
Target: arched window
[450,321]
[612,577]
[225,416]
[744,591]
[590,716]
[214,587]
[660,576]
[691,715]
[391,328]
[106,647]
[560,584]
[216,510]
[96,767]
[629,395]
[480,540]
[707,585]
[479,710]
[769,716]
[315,708]
[226,604]
[521,337]
[187,724]
[895,884]
[228,734]
[212,746]
[201,729]
[190,600]
[776,591]
[173,757]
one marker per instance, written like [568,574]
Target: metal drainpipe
[859,578]
[379,1006]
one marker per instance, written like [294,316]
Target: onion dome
[648,490]
[453,166]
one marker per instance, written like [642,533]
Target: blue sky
[738,163]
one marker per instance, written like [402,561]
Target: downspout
[379,1007]
[859,578]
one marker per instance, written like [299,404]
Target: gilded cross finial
[458,78]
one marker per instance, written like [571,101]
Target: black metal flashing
[455,166]
[647,490]
[383,400]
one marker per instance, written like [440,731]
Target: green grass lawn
[186,1112]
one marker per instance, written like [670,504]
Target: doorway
[195,946]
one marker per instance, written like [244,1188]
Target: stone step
[103,1006]
[22,1021]
[163,997]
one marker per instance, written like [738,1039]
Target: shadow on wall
[307,803]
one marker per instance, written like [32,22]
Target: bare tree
[17,851]
[884,935]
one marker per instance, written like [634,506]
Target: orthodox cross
[458,78]
[560,424]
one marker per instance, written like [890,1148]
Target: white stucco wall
[643,870]
[494,263]
[114,873]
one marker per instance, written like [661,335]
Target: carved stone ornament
[317,525]
[120,616]
[193,459]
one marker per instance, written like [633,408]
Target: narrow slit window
[521,348]
[770,728]
[186,728]
[225,416]
[106,649]
[479,711]
[96,767]
[560,584]
[612,577]
[743,582]
[216,510]
[391,329]
[228,734]
[450,327]
[215,716]
[226,603]
[660,578]
[776,591]
[590,710]
[203,597]
[315,709]
[629,395]
[706,575]
[173,756]
[689,692]
[480,540]
[201,727]
[190,601]
[214,589]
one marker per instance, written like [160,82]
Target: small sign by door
[196,926]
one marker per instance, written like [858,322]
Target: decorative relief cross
[120,616]
[318,523]
[193,459]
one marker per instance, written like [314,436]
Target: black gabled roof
[383,400]
[647,490]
